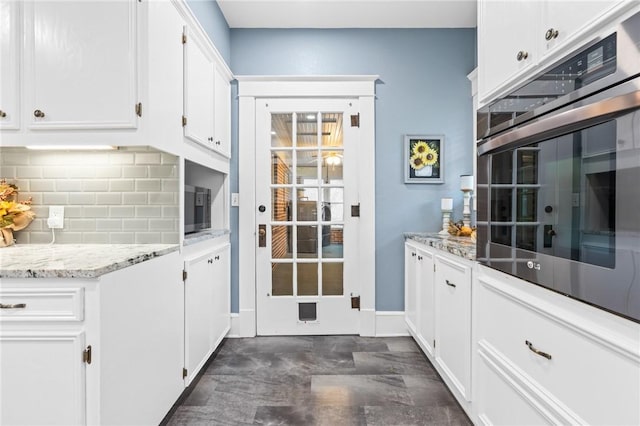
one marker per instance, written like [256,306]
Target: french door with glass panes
[306,183]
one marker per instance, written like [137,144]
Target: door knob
[262,235]
[39,114]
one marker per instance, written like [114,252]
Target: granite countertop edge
[463,247]
[63,260]
[195,238]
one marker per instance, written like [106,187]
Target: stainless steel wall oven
[558,193]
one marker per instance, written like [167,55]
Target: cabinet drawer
[567,364]
[51,304]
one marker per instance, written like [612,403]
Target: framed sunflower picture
[424,159]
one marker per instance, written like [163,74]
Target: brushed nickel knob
[2,114]
[522,55]
[551,34]
[38,113]
[262,232]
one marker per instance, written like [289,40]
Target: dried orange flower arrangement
[14,215]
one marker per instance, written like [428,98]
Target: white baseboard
[391,324]
[234,331]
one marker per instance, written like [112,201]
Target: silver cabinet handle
[13,306]
[522,55]
[38,114]
[2,114]
[536,351]
[551,34]
[450,284]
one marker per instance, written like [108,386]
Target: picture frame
[423,158]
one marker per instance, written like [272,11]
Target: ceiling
[349,13]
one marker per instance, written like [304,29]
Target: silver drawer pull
[450,284]
[13,306]
[536,351]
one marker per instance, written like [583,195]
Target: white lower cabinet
[550,359]
[438,302]
[206,307]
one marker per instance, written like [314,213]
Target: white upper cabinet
[222,139]
[10,49]
[518,37]
[506,40]
[81,64]
[199,99]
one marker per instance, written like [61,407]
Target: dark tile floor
[320,380]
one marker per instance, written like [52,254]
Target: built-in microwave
[197,208]
[558,194]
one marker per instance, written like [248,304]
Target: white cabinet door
[410,282]
[10,48]
[222,140]
[81,64]
[198,91]
[426,300]
[43,378]
[221,293]
[453,319]
[505,28]
[561,19]
[198,313]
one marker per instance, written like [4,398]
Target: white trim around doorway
[251,88]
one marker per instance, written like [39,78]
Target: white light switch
[235,199]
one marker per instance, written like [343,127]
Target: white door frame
[252,88]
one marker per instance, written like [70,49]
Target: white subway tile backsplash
[55,198]
[134,198]
[28,172]
[161,198]
[68,185]
[96,185]
[95,238]
[96,211]
[108,198]
[148,211]
[127,196]
[148,185]
[109,224]
[148,238]
[36,185]
[121,185]
[122,211]
[134,171]
[147,158]
[82,198]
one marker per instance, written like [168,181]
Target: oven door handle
[563,123]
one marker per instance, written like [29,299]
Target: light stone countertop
[74,260]
[464,247]
[204,236]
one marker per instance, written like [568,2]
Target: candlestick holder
[466,207]
[446,205]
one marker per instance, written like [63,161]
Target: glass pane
[527,205]
[501,205]
[307,279]
[501,168]
[281,242]
[332,284]
[527,167]
[281,167]
[333,206]
[331,129]
[331,167]
[308,241]
[307,129]
[307,211]
[526,237]
[282,279]
[307,167]
[281,129]
[281,204]
[332,246]
[501,235]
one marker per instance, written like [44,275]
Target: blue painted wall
[212,20]
[423,89]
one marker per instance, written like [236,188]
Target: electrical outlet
[56,217]
[235,199]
